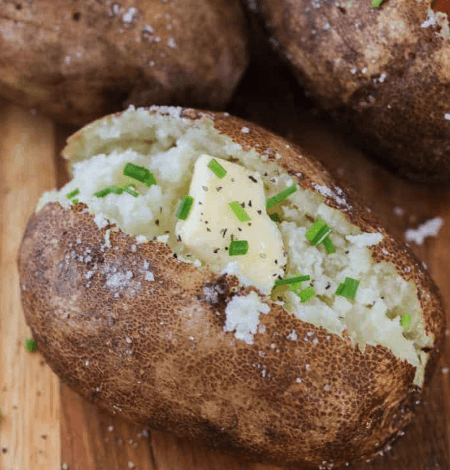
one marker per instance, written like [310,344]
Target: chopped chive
[406,321]
[185,207]
[291,280]
[139,173]
[73,193]
[217,168]
[130,188]
[329,247]
[348,288]
[351,287]
[317,233]
[296,288]
[306,294]
[75,201]
[239,211]
[376,3]
[281,196]
[340,289]
[238,247]
[30,345]
[103,192]
[275,217]
[110,189]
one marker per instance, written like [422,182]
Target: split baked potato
[77,61]
[384,71]
[310,345]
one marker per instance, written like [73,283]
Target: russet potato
[382,71]
[133,322]
[77,61]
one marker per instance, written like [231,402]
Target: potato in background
[78,60]
[383,71]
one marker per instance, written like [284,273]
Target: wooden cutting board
[45,426]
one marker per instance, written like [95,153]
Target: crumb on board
[430,228]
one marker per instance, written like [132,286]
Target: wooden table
[45,426]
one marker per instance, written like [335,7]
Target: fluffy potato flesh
[170,146]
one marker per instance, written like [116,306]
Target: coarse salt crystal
[128,16]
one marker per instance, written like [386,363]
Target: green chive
[185,207]
[348,288]
[317,233]
[110,189]
[281,196]
[73,193]
[306,294]
[351,286]
[238,247]
[139,173]
[239,211]
[130,188]
[30,345]
[340,290]
[406,321]
[329,247]
[75,201]
[217,168]
[275,217]
[291,280]
[376,3]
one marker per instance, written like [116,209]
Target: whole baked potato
[203,276]
[384,71]
[79,60]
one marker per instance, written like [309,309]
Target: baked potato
[77,61]
[382,71]
[203,276]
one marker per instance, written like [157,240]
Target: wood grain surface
[79,436]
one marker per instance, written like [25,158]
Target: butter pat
[212,224]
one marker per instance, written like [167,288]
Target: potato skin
[156,353]
[380,70]
[77,61]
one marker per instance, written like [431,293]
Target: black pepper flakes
[218,188]
[208,229]
[259,211]
[252,178]
[157,221]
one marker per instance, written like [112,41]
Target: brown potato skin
[375,69]
[157,353]
[77,61]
